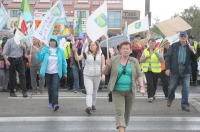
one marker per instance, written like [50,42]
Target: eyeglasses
[124,70]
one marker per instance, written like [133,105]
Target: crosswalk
[99,124]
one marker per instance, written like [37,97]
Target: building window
[42,10]
[114,19]
[44,0]
[17,0]
[96,3]
[5,2]
[82,1]
[32,2]
[113,1]
[14,13]
[81,13]
[67,2]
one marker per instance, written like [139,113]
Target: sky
[162,9]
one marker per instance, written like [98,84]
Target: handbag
[110,93]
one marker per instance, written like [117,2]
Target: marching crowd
[83,64]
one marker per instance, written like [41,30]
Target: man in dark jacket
[178,66]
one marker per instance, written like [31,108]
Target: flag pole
[107,46]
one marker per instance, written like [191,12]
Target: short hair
[124,43]
[152,39]
[136,36]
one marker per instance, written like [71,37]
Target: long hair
[97,49]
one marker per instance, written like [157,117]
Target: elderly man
[178,66]
[12,54]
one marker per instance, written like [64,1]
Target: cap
[191,37]
[183,33]
[165,41]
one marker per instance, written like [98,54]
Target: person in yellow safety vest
[194,62]
[164,77]
[151,65]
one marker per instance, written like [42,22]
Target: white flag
[96,25]
[3,16]
[19,36]
[139,26]
[44,31]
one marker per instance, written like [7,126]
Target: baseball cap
[191,37]
[183,33]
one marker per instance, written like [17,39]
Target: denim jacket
[43,56]
[114,66]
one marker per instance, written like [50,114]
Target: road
[31,114]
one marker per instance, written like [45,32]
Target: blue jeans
[185,80]
[52,81]
[76,77]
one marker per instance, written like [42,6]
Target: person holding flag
[13,55]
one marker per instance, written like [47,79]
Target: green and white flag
[96,25]
[19,36]
[44,31]
[139,26]
[3,16]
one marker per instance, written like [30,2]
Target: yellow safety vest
[67,51]
[151,62]
[195,48]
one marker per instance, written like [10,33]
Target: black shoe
[84,91]
[88,111]
[25,94]
[13,95]
[169,103]
[195,84]
[56,107]
[187,109]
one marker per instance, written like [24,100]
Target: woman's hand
[74,48]
[108,62]
[142,90]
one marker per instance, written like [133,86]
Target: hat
[183,33]
[191,37]
[165,41]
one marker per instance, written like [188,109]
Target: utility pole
[147,10]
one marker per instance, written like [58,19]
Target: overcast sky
[163,9]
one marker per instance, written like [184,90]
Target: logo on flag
[137,25]
[101,20]
[57,12]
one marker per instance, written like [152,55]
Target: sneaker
[88,111]
[169,103]
[187,109]
[150,100]
[50,106]
[25,94]
[34,92]
[94,108]
[56,107]
[75,91]
[13,95]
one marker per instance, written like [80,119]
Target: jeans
[76,77]
[52,81]
[185,80]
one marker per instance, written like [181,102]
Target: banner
[172,26]
[96,25]
[3,16]
[138,26]
[44,31]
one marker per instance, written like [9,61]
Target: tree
[192,17]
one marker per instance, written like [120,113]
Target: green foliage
[192,17]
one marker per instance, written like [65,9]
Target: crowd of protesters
[83,64]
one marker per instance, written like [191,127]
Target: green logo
[56,11]
[101,20]
[137,25]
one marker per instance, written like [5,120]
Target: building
[74,8]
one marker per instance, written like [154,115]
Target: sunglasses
[124,70]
